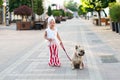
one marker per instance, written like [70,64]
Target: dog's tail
[65,51]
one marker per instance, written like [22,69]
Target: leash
[65,51]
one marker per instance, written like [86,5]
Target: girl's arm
[45,36]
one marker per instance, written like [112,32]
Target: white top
[52,34]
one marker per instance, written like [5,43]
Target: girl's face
[52,23]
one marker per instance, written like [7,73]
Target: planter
[113,26]
[63,19]
[119,27]
[57,19]
[115,15]
[37,25]
[23,25]
[116,27]
[16,20]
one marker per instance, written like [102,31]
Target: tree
[97,5]
[38,7]
[13,4]
[23,11]
[49,11]
[56,13]
[115,12]
[62,12]
[16,3]
[71,5]
[82,10]
[1,2]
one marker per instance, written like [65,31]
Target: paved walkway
[101,58]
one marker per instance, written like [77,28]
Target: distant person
[51,34]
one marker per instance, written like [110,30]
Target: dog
[77,59]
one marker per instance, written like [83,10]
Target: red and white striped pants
[54,59]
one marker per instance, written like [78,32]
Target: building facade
[118,0]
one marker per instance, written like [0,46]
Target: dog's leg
[80,66]
[72,65]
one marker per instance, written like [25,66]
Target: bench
[103,20]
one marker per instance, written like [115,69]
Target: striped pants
[54,59]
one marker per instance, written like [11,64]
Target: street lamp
[6,13]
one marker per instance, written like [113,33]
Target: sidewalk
[101,58]
[109,37]
[10,27]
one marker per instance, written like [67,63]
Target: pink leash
[65,52]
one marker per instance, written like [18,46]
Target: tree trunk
[99,18]
[26,18]
[10,18]
[105,13]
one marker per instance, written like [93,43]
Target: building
[118,0]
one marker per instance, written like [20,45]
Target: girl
[53,37]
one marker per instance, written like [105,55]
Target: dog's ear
[76,47]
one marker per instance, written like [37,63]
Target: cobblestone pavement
[101,59]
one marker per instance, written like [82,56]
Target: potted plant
[49,11]
[115,16]
[63,18]
[24,11]
[39,10]
[69,15]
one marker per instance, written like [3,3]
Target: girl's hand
[50,40]
[61,44]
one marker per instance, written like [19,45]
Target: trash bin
[38,26]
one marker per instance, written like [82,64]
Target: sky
[60,2]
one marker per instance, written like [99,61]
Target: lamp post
[33,17]
[4,12]
[7,12]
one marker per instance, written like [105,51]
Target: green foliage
[1,2]
[115,12]
[71,5]
[62,12]
[49,11]
[96,5]
[38,7]
[16,3]
[56,13]
[68,14]
[81,10]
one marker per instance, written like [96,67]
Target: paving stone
[109,59]
[34,64]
